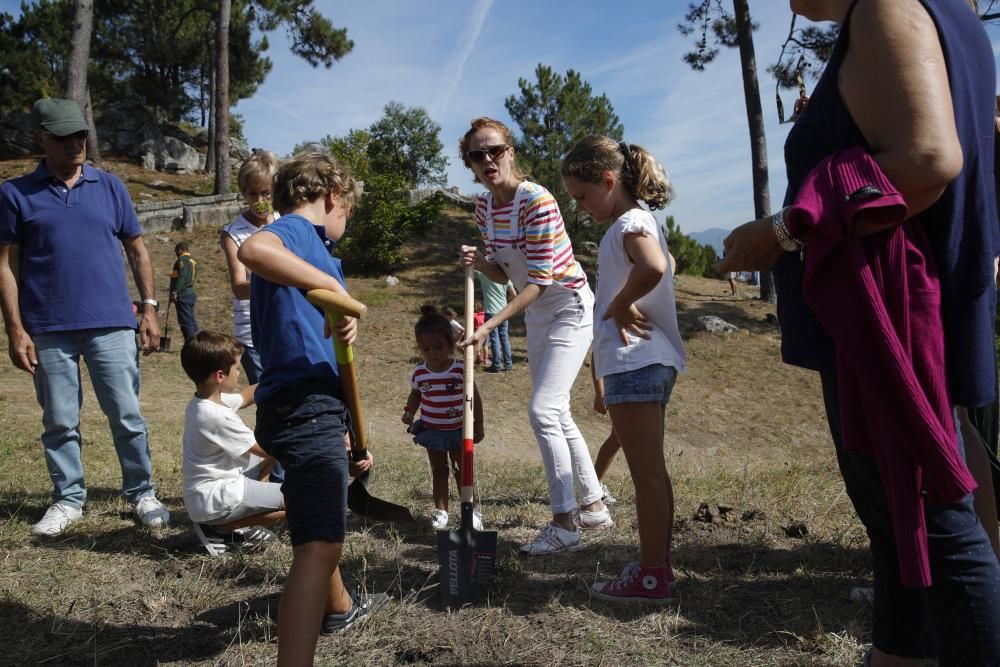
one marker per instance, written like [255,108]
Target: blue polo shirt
[72,272]
[287,330]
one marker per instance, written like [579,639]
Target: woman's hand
[469,255]
[476,339]
[750,247]
[628,319]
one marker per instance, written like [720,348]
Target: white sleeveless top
[239,230]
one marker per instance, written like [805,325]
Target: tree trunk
[76,69]
[755,118]
[222,166]
[210,153]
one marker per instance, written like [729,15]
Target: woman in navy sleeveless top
[911,82]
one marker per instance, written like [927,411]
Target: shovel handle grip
[337,306]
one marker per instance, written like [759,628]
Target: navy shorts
[649,384]
[304,428]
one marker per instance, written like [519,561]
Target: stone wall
[164,216]
[450,195]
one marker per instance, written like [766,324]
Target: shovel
[165,338]
[359,501]
[467,556]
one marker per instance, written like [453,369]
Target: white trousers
[559,331]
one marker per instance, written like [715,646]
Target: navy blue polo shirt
[72,272]
[287,330]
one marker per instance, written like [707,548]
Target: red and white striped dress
[441,396]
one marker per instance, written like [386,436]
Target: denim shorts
[648,384]
[436,440]
[304,428]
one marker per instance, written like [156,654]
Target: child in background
[456,326]
[637,345]
[182,290]
[437,389]
[479,319]
[256,181]
[226,486]
[301,419]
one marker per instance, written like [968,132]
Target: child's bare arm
[247,395]
[478,425]
[265,254]
[649,265]
[598,389]
[412,404]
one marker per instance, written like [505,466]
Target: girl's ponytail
[639,171]
[644,177]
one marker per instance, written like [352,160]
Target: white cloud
[452,75]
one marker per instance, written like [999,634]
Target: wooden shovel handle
[469,382]
[336,306]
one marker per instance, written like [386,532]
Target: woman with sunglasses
[526,242]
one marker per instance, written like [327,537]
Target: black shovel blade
[364,504]
[164,344]
[468,559]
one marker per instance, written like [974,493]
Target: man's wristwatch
[152,302]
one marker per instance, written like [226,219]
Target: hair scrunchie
[627,152]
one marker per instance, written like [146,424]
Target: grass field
[745,437]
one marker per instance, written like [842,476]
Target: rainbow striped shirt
[540,235]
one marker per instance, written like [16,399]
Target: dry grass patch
[743,432]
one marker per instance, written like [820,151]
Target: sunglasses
[477,155]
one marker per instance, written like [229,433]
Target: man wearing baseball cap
[66,297]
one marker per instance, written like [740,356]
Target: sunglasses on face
[477,155]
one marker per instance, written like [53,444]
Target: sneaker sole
[633,599]
[604,526]
[571,549]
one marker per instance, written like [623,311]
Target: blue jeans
[958,618]
[185,314]
[251,364]
[500,346]
[111,359]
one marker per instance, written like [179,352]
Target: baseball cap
[58,116]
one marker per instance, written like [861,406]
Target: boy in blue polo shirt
[301,419]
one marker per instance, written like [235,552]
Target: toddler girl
[437,389]
[637,346]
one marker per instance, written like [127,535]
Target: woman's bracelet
[785,239]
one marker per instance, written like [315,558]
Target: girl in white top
[526,242]
[255,181]
[637,346]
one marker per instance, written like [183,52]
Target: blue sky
[461,59]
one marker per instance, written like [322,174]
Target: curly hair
[640,173]
[309,175]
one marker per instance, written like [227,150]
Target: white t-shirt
[216,453]
[613,267]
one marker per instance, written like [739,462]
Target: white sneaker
[606,496]
[151,512]
[439,519]
[600,520]
[477,519]
[552,539]
[57,519]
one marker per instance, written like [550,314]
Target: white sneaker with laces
[599,520]
[553,539]
[57,519]
[477,519]
[439,519]
[606,496]
[151,512]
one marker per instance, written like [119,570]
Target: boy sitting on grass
[301,417]
[226,489]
